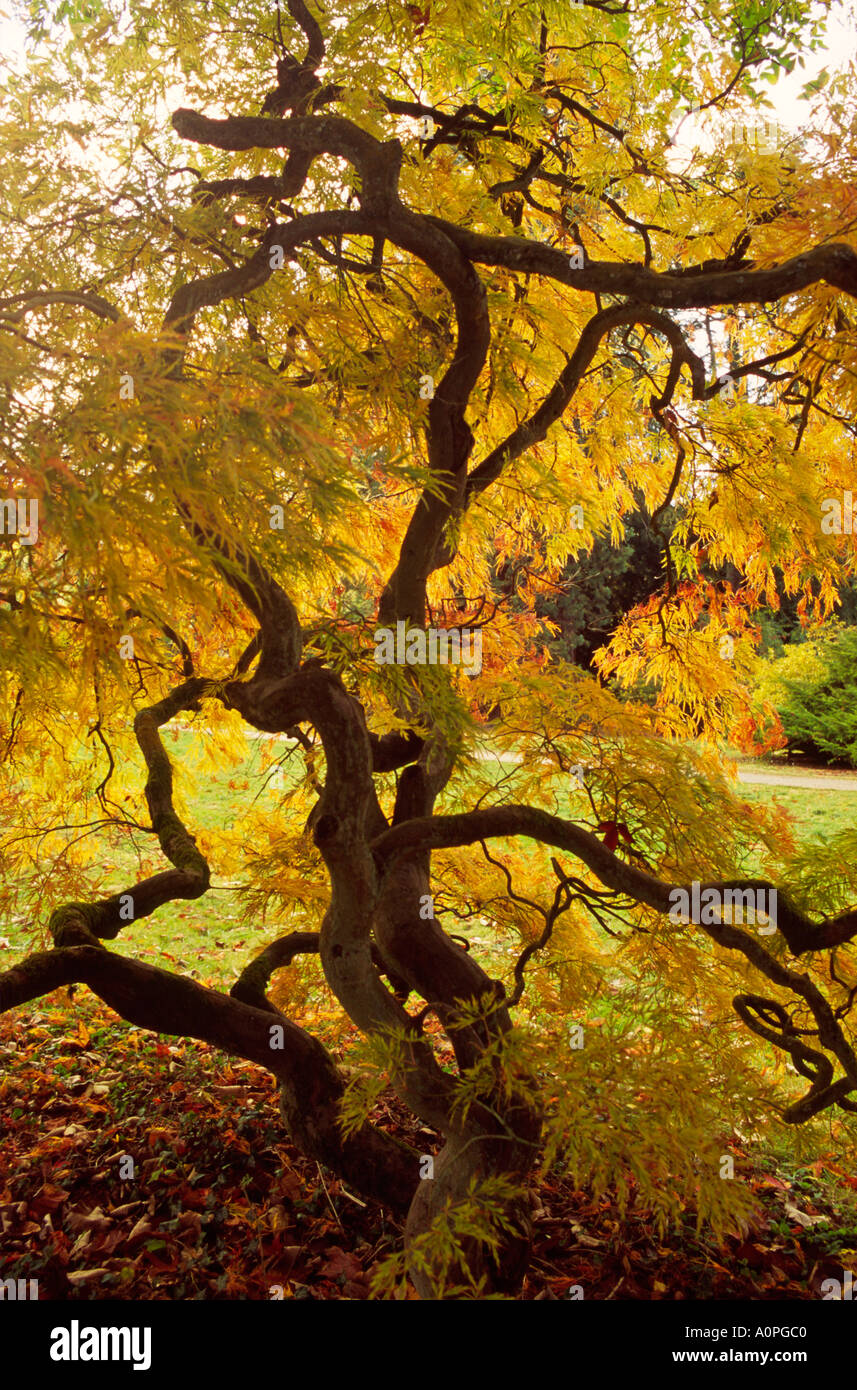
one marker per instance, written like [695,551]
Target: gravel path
[831,782]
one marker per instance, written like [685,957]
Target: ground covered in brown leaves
[221,1206]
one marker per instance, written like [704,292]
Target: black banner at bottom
[227,1339]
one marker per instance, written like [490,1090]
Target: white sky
[838,53]
[788,110]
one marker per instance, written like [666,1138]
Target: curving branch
[800,932]
[379,1166]
[252,983]
[376,162]
[15,307]
[312,30]
[189,878]
[534,429]
[280,634]
[768,1019]
[835,262]
[211,290]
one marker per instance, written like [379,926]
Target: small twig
[330,1203]
[351,1197]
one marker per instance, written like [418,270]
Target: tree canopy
[318,324]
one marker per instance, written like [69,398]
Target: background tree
[595,589]
[812,687]
[373,331]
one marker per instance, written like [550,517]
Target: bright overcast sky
[838,53]
[789,111]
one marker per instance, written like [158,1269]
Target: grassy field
[214,936]
[818,815]
[209,938]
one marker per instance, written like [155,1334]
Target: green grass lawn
[818,815]
[211,938]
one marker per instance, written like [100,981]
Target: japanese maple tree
[313,323]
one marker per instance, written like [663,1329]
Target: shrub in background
[813,688]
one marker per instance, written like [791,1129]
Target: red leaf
[611,833]
[420,17]
[340,1262]
[48,1199]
